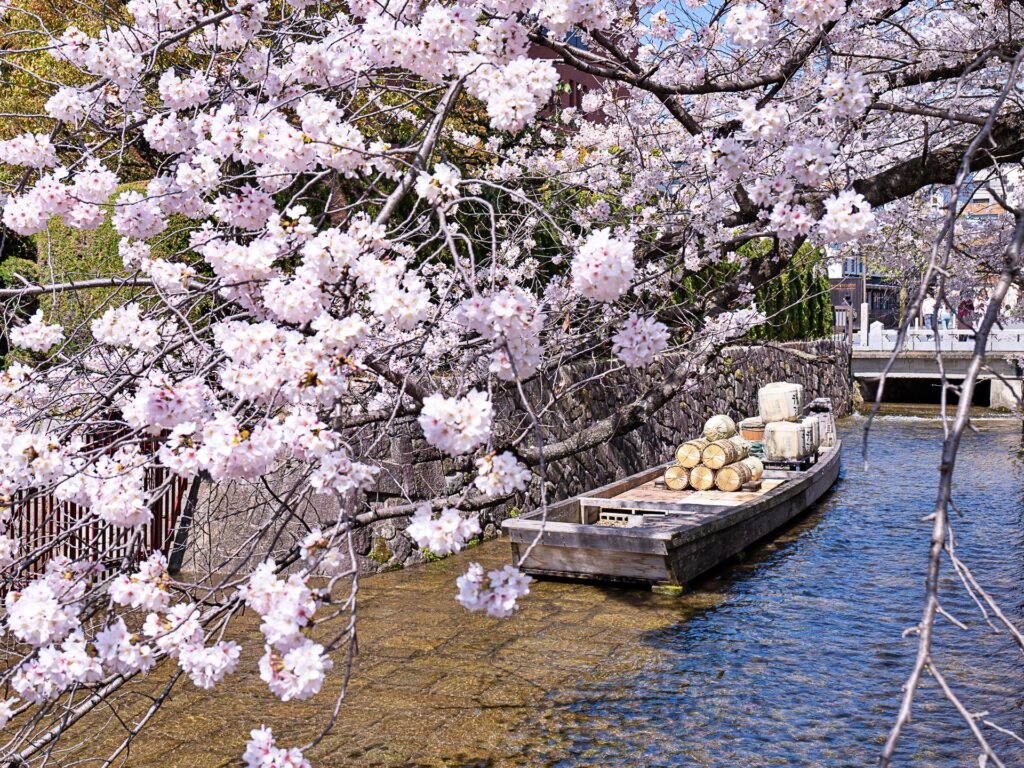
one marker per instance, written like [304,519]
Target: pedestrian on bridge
[928,310]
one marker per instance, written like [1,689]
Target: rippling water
[800,660]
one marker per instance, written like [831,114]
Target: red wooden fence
[48,527]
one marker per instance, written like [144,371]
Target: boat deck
[634,530]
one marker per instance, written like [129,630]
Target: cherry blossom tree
[337,217]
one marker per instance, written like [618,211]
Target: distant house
[850,277]
[577,83]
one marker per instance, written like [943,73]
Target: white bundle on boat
[780,401]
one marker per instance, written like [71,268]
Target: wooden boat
[632,530]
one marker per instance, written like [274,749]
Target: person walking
[928,310]
[965,313]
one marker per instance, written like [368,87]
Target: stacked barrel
[720,459]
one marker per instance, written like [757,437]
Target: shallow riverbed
[791,657]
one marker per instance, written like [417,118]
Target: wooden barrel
[688,454]
[677,478]
[752,429]
[735,476]
[723,452]
[732,477]
[702,478]
[756,467]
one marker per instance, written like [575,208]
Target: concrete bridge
[915,375]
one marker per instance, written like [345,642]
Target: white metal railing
[952,340]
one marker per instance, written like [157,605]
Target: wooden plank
[649,497]
[639,540]
[583,562]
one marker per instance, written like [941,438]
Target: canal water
[792,656]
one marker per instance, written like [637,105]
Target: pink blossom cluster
[29,150]
[848,216]
[45,611]
[293,666]
[500,474]
[160,404]
[512,320]
[182,93]
[845,94]
[137,216]
[78,203]
[121,652]
[317,552]
[56,668]
[112,486]
[125,327]
[9,548]
[639,340]
[146,588]
[513,92]
[814,14]
[46,615]
[748,25]
[602,268]
[261,751]
[67,104]
[439,186]
[28,459]
[179,634]
[443,535]
[791,220]
[497,593]
[456,425]
[36,334]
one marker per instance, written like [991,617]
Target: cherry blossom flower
[261,752]
[602,268]
[125,327]
[207,666]
[443,535]
[501,474]
[37,615]
[29,150]
[639,340]
[120,652]
[442,184]
[296,673]
[456,425]
[146,588]
[498,595]
[36,334]
[848,216]
[6,710]
[9,547]
[748,25]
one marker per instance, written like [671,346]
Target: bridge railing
[952,340]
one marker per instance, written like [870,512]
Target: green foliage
[797,302]
[23,267]
[66,254]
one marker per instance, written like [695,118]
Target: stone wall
[822,367]
[230,514]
